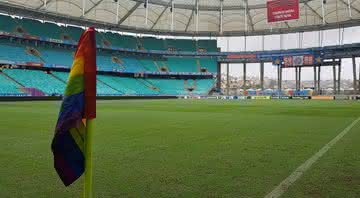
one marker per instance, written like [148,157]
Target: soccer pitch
[188,148]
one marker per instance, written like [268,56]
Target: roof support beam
[350,6]
[248,15]
[94,6]
[159,17]
[314,11]
[287,24]
[129,12]
[197,15]
[204,7]
[19,10]
[43,4]
[221,14]
[189,21]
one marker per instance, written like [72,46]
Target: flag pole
[88,191]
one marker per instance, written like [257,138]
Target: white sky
[291,41]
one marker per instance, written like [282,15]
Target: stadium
[180,98]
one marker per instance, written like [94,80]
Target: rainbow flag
[79,104]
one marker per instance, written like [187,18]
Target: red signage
[282,10]
[288,61]
[309,59]
[298,60]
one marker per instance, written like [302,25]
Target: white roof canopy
[191,17]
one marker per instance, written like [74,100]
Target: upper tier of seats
[51,30]
[15,81]
[18,51]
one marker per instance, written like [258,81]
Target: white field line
[286,183]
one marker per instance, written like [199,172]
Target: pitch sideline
[294,176]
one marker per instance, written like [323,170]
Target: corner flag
[71,144]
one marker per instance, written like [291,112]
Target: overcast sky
[291,41]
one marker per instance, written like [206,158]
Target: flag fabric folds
[79,104]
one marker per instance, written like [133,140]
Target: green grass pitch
[188,148]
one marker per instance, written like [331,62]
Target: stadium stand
[55,57]
[182,65]
[10,51]
[8,87]
[37,80]
[208,45]
[153,44]
[52,30]
[107,85]
[71,33]
[50,55]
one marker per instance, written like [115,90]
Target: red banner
[282,10]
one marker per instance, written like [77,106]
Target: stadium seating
[106,61]
[149,65]
[56,56]
[73,32]
[7,24]
[11,51]
[209,63]
[53,55]
[181,44]
[209,45]
[37,79]
[117,84]
[153,43]
[52,30]
[35,27]
[8,87]
[182,65]
[54,84]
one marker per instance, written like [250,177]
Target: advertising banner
[298,60]
[277,60]
[261,97]
[288,61]
[282,10]
[322,97]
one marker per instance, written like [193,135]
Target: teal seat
[37,79]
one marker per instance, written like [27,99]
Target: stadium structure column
[339,76]
[244,76]
[319,80]
[262,75]
[296,79]
[218,83]
[354,74]
[279,69]
[299,78]
[227,79]
[315,80]
[359,81]
[334,76]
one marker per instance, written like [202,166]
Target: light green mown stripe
[75,85]
[286,183]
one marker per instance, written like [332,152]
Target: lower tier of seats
[42,83]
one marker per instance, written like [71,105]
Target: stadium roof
[240,17]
